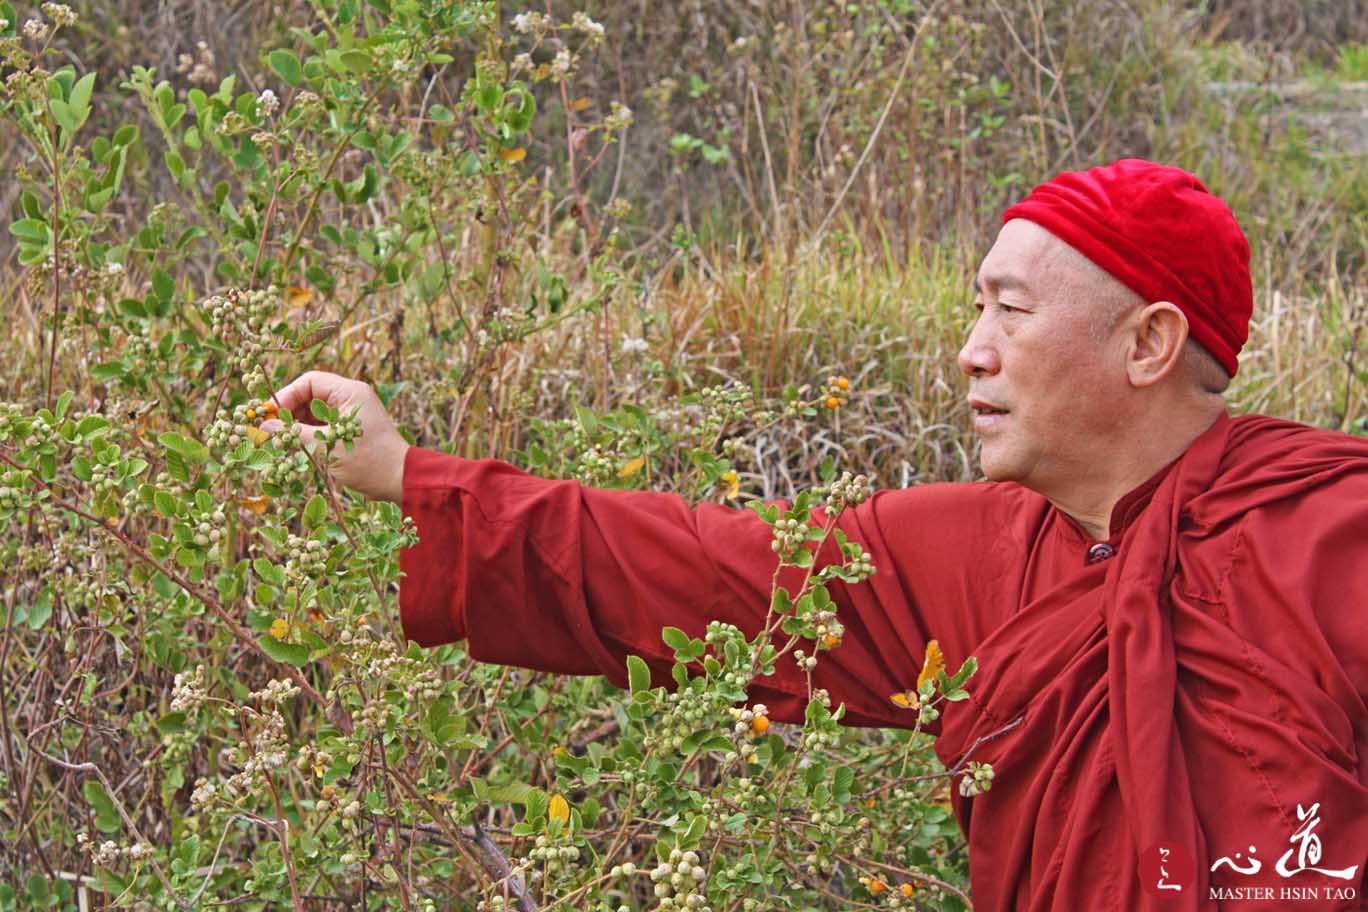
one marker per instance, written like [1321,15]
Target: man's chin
[995,468]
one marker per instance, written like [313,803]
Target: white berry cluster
[263,753]
[846,491]
[109,852]
[187,691]
[724,405]
[750,723]
[858,564]
[241,320]
[293,465]
[305,559]
[40,431]
[276,692]
[678,882]
[684,714]
[9,419]
[789,533]
[208,531]
[552,856]
[12,496]
[105,479]
[978,779]
[817,740]
[596,467]
[346,429]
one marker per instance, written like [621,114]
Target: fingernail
[272,426]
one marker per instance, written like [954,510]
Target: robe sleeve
[559,577]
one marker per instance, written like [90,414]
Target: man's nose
[977,357]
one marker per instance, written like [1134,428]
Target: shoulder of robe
[1270,460]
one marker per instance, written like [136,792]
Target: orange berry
[760,724]
[830,640]
[906,889]
[271,409]
[251,413]
[832,402]
[842,383]
[329,791]
[877,886]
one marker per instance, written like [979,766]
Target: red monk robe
[1199,688]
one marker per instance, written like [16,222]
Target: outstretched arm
[565,578]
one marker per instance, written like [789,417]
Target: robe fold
[1176,716]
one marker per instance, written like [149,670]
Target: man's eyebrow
[1000,281]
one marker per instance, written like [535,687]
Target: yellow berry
[832,402]
[251,413]
[760,724]
[906,889]
[877,886]
[842,383]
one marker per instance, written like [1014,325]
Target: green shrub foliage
[206,697]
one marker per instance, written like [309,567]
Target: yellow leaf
[733,484]
[558,809]
[906,699]
[513,155]
[298,297]
[257,435]
[632,467]
[256,504]
[933,664]
[579,104]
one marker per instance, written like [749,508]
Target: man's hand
[375,466]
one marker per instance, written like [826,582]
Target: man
[1167,604]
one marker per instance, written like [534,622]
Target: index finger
[305,388]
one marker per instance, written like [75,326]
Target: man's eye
[1008,308]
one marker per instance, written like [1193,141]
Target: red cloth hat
[1160,233]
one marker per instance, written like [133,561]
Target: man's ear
[1159,332]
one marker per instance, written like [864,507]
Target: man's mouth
[986,414]
[983,407]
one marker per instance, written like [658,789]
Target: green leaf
[80,96]
[65,117]
[508,793]
[106,817]
[39,613]
[80,467]
[171,723]
[356,61]
[315,512]
[675,638]
[638,674]
[167,504]
[288,653]
[191,450]
[31,229]
[537,803]
[285,64]
[163,285]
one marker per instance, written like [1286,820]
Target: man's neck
[1091,504]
